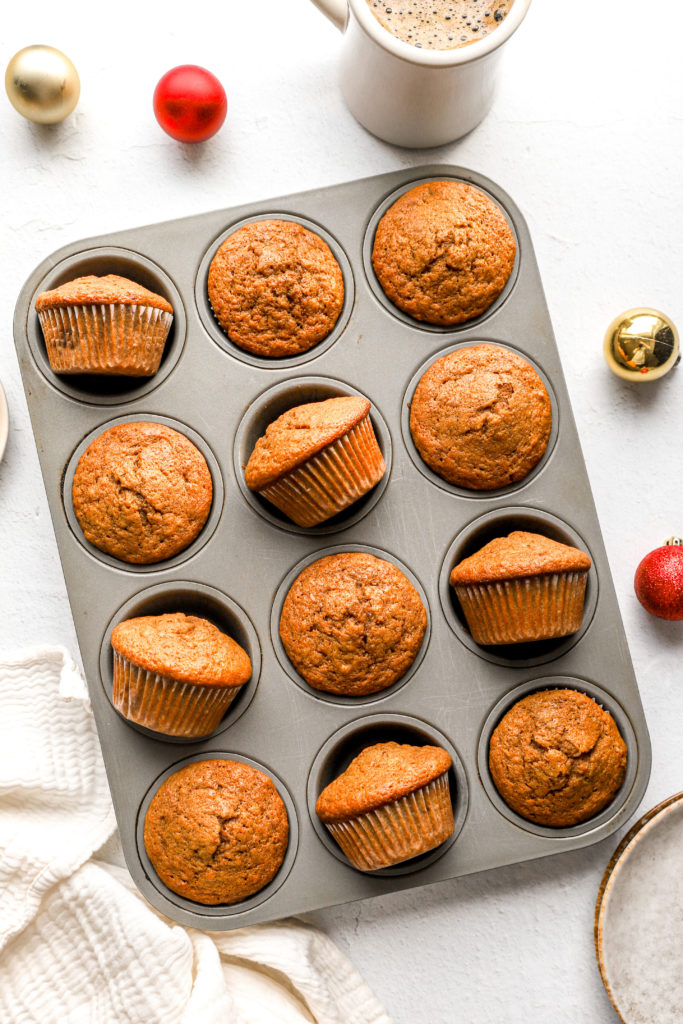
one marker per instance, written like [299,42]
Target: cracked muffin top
[352,624]
[557,758]
[516,556]
[481,417]
[275,288]
[108,290]
[443,252]
[186,647]
[216,831]
[141,492]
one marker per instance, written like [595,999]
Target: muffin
[317,459]
[275,288]
[106,325]
[443,252]
[521,588]
[216,831]
[141,492]
[176,674]
[352,624]
[392,803]
[557,758]
[481,417]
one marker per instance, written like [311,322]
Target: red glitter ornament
[190,103]
[659,581]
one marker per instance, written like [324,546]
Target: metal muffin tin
[234,573]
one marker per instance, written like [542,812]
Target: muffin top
[352,624]
[557,758]
[216,831]
[443,252]
[141,492]
[299,434]
[111,289]
[185,647]
[379,775]
[481,417]
[275,288]
[517,555]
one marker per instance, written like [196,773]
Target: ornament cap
[674,541]
[641,344]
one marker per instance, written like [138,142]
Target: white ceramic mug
[409,96]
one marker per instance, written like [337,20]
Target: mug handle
[336,10]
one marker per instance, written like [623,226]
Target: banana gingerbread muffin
[557,758]
[108,325]
[443,252]
[176,674]
[141,492]
[275,288]
[317,459]
[216,831]
[352,624]
[392,803]
[481,417]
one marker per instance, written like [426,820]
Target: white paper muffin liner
[111,338]
[168,705]
[521,610]
[331,480]
[412,825]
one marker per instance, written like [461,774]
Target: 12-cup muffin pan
[237,571]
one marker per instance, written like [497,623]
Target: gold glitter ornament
[42,84]
[641,344]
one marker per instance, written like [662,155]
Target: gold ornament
[42,84]
[641,344]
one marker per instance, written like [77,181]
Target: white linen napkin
[78,943]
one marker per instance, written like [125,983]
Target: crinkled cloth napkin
[78,944]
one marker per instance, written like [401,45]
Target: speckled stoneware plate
[639,919]
[238,569]
[4,422]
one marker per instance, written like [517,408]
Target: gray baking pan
[238,570]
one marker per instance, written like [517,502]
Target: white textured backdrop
[587,136]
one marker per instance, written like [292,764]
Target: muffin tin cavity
[608,703]
[429,474]
[474,536]
[339,750]
[191,599]
[273,403]
[209,526]
[278,646]
[98,389]
[376,287]
[221,338]
[185,911]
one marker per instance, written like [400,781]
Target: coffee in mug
[440,24]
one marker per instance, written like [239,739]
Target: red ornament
[190,103]
[659,581]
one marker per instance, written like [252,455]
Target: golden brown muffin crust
[379,775]
[518,555]
[216,831]
[275,288]
[557,758]
[111,289]
[443,252]
[299,434]
[185,647]
[352,624]
[142,492]
[481,417]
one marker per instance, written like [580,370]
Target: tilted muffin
[216,831]
[106,325]
[522,587]
[275,288]
[392,803]
[317,459]
[176,674]
[142,492]
[557,758]
[481,417]
[443,252]
[352,624]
